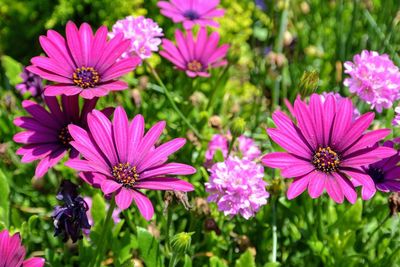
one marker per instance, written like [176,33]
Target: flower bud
[308,83]
[180,243]
[238,127]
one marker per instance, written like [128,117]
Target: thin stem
[377,228]
[169,221]
[274,231]
[172,102]
[102,244]
[174,260]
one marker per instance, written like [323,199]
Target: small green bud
[238,127]
[180,243]
[308,82]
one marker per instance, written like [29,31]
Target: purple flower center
[194,66]
[376,174]
[64,136]
[86,77]
[326,160]
[125,174]
[191,14]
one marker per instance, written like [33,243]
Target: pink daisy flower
[13,253]
[195,57]
[47,137]
[119,158]
[83,63]
[143,33]
[326,149]
[192,12]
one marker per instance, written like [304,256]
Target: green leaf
[218,156]
[98,209]
[4,199]
[12,69]
[217,262]
[149,248]
[246,260]
[188,261]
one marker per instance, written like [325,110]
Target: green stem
[102,244]
[169,221]
[172,102]
[174,260]
[274,230]
[377,228]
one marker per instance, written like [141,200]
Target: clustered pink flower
[326,149]
[396,119]
[374,78]
[195,56]
[84,63]
[192,12]
[237,186]
[12,253]
[246,147]
[143,34]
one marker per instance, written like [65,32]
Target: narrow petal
[168,169]
[347,187]
[334,190]
[120,128]
[297,187]
[109,186]
[33,262]
[124,198]
[150,139]
[144,204]
[317,183]
[165,183]
[281,160]
[136,132]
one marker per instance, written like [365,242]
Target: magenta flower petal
[316,184]
[13,253]
[191,12]
[165,183]
[298,186]
[144,204]
[136,132]
[327,148]
[169,169]
[47,137]
[83,63]
[33,262]
[109,186]
[124,197]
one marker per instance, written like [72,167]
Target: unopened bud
[394,203]
[308,83]
[180,243]
[238,127]
[215,122]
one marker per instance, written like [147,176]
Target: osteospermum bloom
[237,186]
[143,34]
[386,172]
[120,159]
[326,149]
[31,83]
[13,253]
[83,63]
[195,57]
[192,12]
[46,137]
[374,78]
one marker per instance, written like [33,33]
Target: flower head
[192,12]
[31,83]
[218,142]
[143,34]
[84,63]
[374,78]
[237,186]
[248,148]
[13,253]
[70,219]
[47,137]
[326,149]
[195,57]
[386,172]
[120,159]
